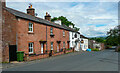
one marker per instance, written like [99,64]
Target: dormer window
[63,33]
[30,29]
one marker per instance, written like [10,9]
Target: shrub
[95,49]
[68,49]
[119,49]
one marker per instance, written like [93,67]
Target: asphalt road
[106,60]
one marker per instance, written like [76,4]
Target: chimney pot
[48,17]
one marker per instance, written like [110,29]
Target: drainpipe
[46,38]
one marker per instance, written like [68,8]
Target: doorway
[42,48]
[12,53]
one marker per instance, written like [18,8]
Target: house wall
[25,37]
[73,39]
[84,45]
[58,36]
[39,34]
[8,33]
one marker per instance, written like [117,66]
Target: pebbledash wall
[15,32]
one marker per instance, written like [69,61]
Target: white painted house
[83,43]
[74,39]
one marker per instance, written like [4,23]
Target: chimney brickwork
[48,17]
[31,11]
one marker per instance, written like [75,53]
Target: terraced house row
[37,37]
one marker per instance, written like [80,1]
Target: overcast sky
[93,18]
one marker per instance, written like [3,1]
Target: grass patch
[5,62]
[68,49]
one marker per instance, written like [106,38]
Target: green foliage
[99,39]
[68,49]
[5,62]
[113,37]
[65,21]
[96,49]
[119,49]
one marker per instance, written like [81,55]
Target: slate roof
[36,19]
[82,36]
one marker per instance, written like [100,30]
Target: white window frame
[51,45]
[31,47]
[63,33]
[30,29]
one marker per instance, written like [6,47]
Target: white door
[41,48]
[57,47]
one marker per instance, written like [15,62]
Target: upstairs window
[63,33]
[75,35]
[51,31]
[30,29]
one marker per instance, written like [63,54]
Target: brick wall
[24,37]
[58,37]
[8,33]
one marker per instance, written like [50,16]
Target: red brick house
[33,35]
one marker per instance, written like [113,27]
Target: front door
[57,47]
[12,53]
[68,45]
[42,48]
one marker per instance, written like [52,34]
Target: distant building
[94,44]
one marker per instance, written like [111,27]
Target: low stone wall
[68,51]
[35,57]
[58,53]
[28,57]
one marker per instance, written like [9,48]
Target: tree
[113,37]
[65,21]
[99,39]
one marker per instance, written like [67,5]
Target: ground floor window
[51,45]
[30,48]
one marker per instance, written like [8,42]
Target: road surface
[106,60]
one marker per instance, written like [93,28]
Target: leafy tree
[65,21]
[113,37]
[99,39]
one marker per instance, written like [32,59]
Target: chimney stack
[31,11]
[3,3]
[48,17]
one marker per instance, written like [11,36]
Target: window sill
[30,32]
[52,35]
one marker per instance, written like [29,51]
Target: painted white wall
[73,39]
[84,45]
